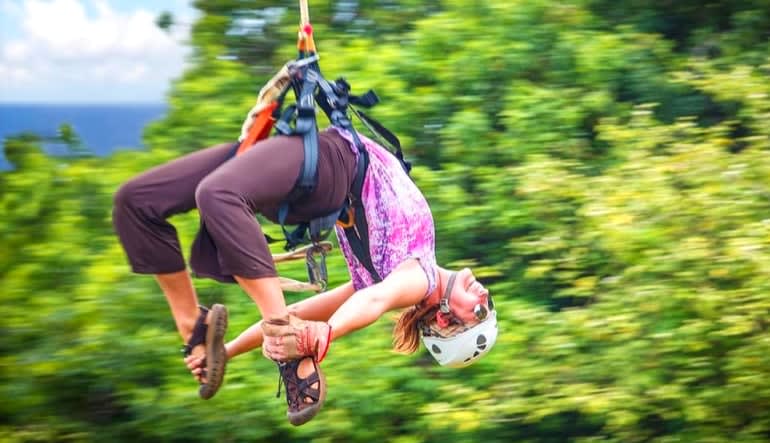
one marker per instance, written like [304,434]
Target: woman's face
[469,298]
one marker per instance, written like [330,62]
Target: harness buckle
[298,64]
[443,305]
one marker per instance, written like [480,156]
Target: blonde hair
[406,333]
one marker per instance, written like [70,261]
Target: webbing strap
[382,132]
[358,234]
[334,100]
[318,228]
[306,126]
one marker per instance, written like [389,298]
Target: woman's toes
[196,365]
[194,361]
[198,374]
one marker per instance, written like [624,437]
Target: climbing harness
[303,76]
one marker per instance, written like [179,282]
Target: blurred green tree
[601,164]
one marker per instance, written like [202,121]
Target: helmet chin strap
[444,314]
[443,303]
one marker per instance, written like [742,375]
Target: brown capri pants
[227,191]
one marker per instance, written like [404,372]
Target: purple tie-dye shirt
[399,218]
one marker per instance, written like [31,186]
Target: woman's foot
[305,389]
[204,353]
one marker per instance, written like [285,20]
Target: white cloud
[78,45]
[15,73]
[9,7]
[16,51]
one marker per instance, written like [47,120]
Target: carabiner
[316,270]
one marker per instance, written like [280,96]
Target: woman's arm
[405,286]
[347,310]
[318,307]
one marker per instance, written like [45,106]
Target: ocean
[103,128]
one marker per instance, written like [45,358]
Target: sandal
[216,357]
[300,390]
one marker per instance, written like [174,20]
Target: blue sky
[90,51]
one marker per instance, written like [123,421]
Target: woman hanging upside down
[451,311]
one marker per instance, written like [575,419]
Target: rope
[270,92]
[280,81]
[305,42]
[303,13]
[300,253]
[290,285]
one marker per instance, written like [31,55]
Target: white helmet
[464,348]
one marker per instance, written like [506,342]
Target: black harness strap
[358,233]
[384,134]
[306,126]
[334,99]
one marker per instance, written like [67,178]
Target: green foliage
[602,165]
